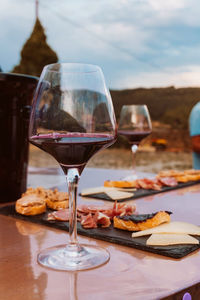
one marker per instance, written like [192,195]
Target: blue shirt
[194,127]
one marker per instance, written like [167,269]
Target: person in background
[194,127]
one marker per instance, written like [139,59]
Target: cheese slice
[172,227]
[95,190]
[118,195]
[165,239]
[111,192]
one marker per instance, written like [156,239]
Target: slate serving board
[110,234]
[139,193]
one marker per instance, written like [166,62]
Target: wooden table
[130,273]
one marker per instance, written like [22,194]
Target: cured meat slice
[122,209]
[92,216]
[59,215]
[85,209]
[88,221]
[168,181]
[103,220]
[149,184]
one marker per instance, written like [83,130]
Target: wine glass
[72,119]
[135,125]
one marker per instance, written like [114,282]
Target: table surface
[129,274]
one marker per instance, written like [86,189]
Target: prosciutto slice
[92,216]
[120,209]
[92,209]
[103,220]
[168,181]
[59,215]
[149,184]
[92,221]
[88,221]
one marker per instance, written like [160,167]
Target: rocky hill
[166,105]
[169,109]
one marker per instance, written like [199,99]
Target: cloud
[136,42]
[187,76]
[167,5]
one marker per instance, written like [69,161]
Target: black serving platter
[139,193]
[109,234]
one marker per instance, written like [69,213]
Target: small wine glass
[135,125]
[72,119]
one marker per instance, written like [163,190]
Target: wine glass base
[73,257]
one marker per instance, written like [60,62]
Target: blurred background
[147,49]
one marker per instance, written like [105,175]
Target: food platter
[109,234]
[139,193]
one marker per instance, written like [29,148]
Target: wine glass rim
[91,68]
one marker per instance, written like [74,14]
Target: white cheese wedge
[172,227]
[118,195]
[95,190]
[112,193]
[165,239]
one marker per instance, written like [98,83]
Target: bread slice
[141,222]
[121,184]
[54,199]
[30,205]
[188,177]
[57,200]
[57,205]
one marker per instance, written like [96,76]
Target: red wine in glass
[72,119]
[72,150]
[134,137]
[135,125]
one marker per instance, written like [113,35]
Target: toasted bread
[39,191]
[30,205]
[141,222]
[57,200]
[121,184]
[184,176]
[54,199]
[170,173]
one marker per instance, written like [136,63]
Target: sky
[137,43]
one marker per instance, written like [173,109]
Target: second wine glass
[135,125]
[72,119]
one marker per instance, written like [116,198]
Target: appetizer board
[139,193]
[109,234]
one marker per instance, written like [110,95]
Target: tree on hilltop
[36,53]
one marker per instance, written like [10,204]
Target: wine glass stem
[134,150]
[72,181]
[73,286]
